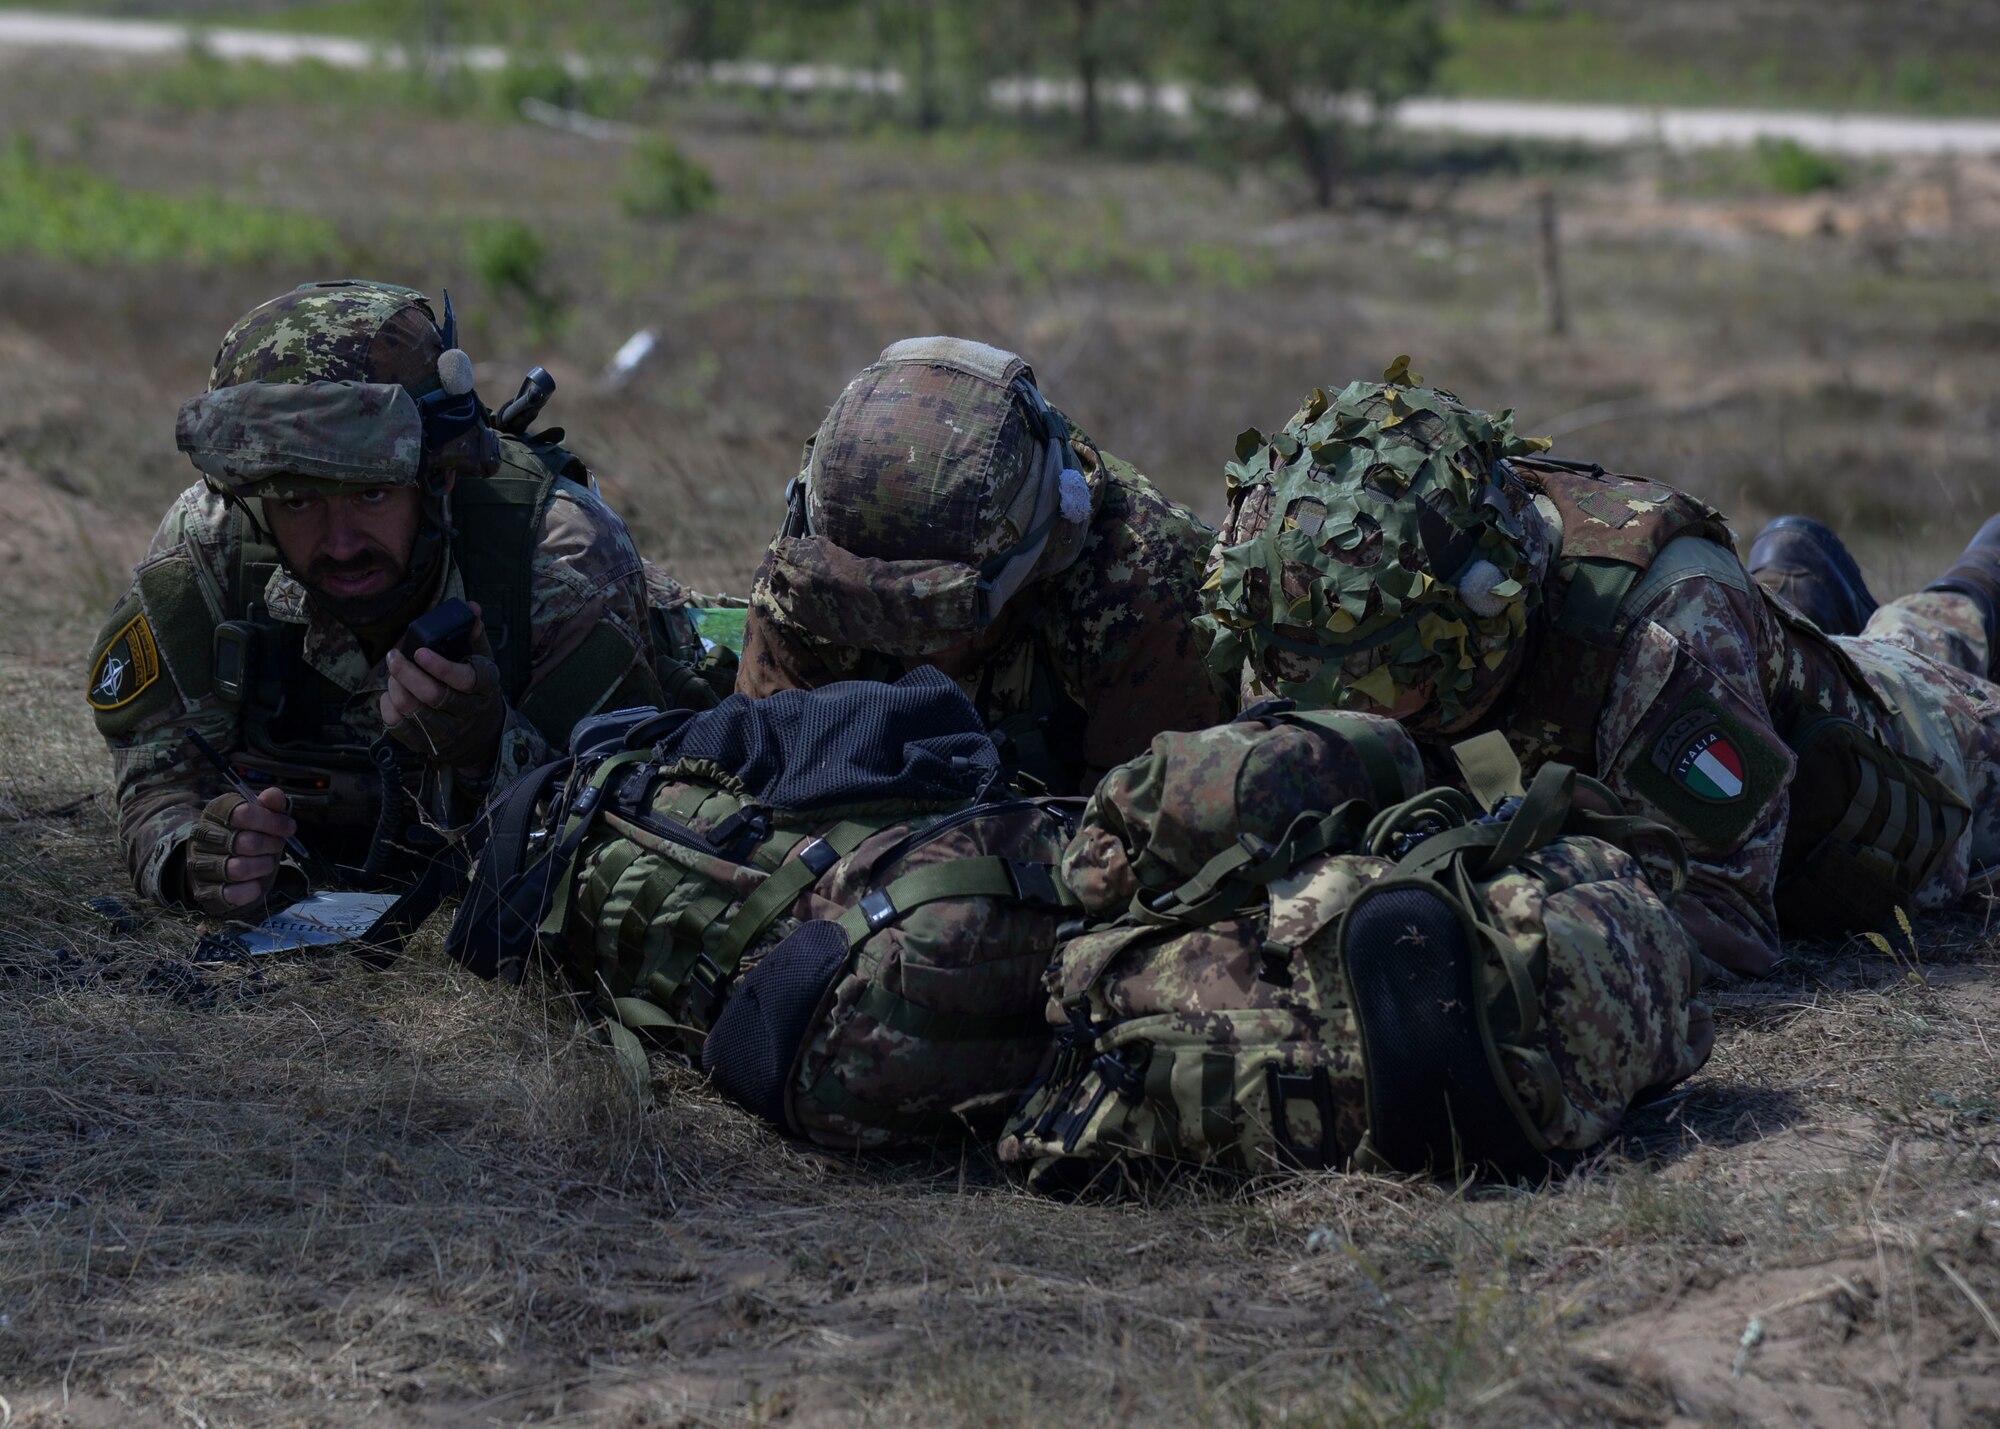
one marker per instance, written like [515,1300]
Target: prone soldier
[351,482]
[1395,551]
[948,515]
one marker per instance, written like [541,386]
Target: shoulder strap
[499,522]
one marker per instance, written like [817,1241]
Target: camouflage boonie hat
[335,383]
[1379,545]
[938,485]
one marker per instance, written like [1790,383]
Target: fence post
[1555,306]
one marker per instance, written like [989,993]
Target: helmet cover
[350,346]
[1379,545]
[939,483]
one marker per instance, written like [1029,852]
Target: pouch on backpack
[1455,987]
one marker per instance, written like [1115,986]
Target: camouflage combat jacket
[1658,665]
[1103,657]
[579,584]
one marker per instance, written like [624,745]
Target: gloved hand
[448,712]
[232,855]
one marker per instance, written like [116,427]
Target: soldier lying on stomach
[351,482]
[947,515]
[1395,551]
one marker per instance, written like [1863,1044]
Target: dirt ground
[320,1195]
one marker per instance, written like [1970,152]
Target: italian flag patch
[1710,767]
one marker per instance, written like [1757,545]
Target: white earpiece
[1475,589]
[1074,494]
[455,371]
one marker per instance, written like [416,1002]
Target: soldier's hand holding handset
[443,699]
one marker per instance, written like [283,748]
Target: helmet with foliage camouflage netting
[342,382]
[939,484]
[1378,548]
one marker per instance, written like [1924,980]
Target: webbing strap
[1491,768]
[1385,780]
[640,913]
[930,1024]
[603,879]
[987,877]
[1159,1084]
[783,887]
[583,809]
[1543,812]
[1218,1090]
[688,802]
[1223,884]
[1860,811]
[1628,831]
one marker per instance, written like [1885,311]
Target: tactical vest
[1614,528]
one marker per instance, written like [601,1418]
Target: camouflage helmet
[1380,545]
[341,382]
[938,485]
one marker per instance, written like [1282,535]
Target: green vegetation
[1860,56]
[1790,167]
[1568,53]
[64,211]
[661,181]
[1036,244]
[511,261]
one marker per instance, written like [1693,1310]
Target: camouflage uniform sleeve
[1687,737]
[1123,615]
[592,642]
[778,655]
[161,645]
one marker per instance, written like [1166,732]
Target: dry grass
[313,1194]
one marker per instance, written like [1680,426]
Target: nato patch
[126,668]
[1708,768]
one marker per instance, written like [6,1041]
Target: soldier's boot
[1803,561]
[1976,574]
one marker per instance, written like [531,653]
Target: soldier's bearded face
[351,549]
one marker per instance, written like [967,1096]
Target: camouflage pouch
[1455,988]
[1515,980]
[1200,1013]
[905,944]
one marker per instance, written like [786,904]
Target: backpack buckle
[1034,885]
[818,855]
[878,910]
[705,982]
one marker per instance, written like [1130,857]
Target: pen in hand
[214,756]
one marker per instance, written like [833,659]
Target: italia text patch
[126,667]
[1695,752]
[1710,765]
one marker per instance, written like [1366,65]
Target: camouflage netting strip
[1340,569]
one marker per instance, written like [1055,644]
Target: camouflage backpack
[861,975]
[1431,986]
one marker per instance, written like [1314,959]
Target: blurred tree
[1301,57]
[1101,39]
